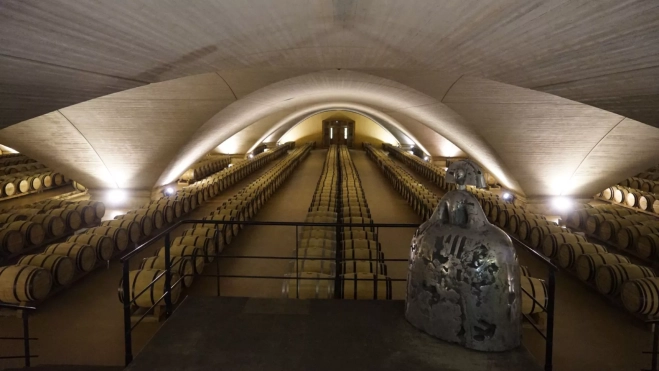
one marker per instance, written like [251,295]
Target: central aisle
[387,206]
[288,204]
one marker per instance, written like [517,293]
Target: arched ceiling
[400,132]
[57,53]
[187,76]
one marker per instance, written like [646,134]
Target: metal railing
[129,299]
[25,314]
[655,345]
[548,334]
[125,294]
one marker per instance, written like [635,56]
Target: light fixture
[507,196]
[345,133]
[331,133]
[251,155]
[169,191]
[561,203]
[229,165]
[411,152]
[426,158]
[266,150]
[116,196]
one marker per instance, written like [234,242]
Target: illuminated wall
[366,130]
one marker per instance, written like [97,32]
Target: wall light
[561,203]
[251,155]
[426,158]
[507,196]
[116,196]
[169,191]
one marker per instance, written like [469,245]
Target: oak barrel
[60,267]
[537,289]
[118,235]
[609,278]
[192,252]
[24,283]
[103,245]
[587,264]
[82,255]
[552,241]
[133,229]
[140,280]
[641,296]
[365,286]
[569,252]
[308,285]
[182,265]
[33,233]
[313,266]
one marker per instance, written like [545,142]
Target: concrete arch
[385,121]
[340,85]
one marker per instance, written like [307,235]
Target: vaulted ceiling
[551,96]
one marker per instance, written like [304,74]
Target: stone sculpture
[463,283]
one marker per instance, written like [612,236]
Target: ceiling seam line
[227,84]
[74,69]
[92,147]
[592,149]
[590,78]
[450,87]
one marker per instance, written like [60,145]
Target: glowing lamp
[561,203]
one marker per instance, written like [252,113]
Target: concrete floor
[255,334]
[83,325]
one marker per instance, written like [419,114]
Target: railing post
[655,345]
[549,346]
[297,266]
[26,337]
[128,341]
[217,258]
[168,278]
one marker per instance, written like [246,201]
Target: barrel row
[434,173]
[422,200]
[204,167]
[314,279]
[27,182]
[212,185]
[631,232]
[10,159]
[350,254]
[60,264]
[200,244]
[28,227]
[364,278]
[631,197]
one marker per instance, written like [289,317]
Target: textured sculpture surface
[463,279]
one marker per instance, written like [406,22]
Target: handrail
[528,248]
[164,232]
[655,344]
[26,333]
[17,307]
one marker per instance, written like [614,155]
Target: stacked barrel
[429,170]
[33,277]
[157,214]
[634,233]
[20,175]
[419,197]
[207,165]
[363,274]
[200,244]
[312,275]
[26,228]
